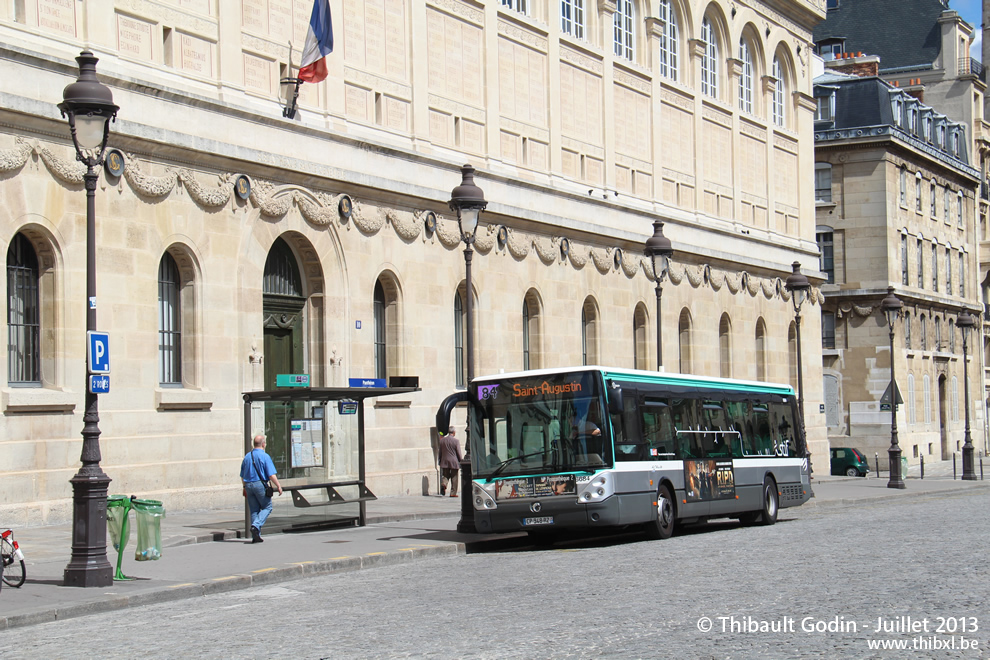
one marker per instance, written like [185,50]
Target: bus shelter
[316,440]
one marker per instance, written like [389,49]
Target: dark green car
[849,462]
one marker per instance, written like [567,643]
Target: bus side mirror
[443,412]
[614,398]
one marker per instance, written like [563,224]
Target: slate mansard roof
[904,33]
[865,107]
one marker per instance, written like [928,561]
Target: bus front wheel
[662,527]
[768,515]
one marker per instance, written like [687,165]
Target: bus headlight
[482,499]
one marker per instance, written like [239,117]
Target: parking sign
[99,352]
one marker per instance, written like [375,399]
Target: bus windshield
[539,425]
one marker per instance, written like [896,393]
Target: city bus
[593,447]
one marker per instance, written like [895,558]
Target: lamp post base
[968,459]
[89,566]
[466,524]
[894,464]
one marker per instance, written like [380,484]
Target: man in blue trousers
[257,469]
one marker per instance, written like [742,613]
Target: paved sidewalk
[203,551]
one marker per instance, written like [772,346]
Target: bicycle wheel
[13,568]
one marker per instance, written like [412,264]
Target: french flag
[319,43]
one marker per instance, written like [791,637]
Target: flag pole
[289,111]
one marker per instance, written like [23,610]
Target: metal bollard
[922,467]
[876,461]
[953,466]
[981,468]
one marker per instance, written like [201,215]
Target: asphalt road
[823,583]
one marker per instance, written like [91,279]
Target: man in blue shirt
[257,468]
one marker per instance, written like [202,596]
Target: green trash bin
[118,508]
[149,529]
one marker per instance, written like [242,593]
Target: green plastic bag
[120,532]
[149,529]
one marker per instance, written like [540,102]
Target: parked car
[850,462]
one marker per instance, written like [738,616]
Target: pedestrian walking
[450,462]
[257,469]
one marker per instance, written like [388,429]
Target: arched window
[641,352]
[746,81]
[779,91]
[521,6]
[923,330]
[622,28]
[381,366]
[761,350]
[952,336]
[532,354]
[684,342]
[169,323]
[907,330]
[572,18]
[955,399]
[23,314]
[903,175]
[928,399]
[938,334]
[668,40]
[912,401]
[724,348]
[589,332]
[709,60]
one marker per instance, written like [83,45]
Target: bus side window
[658,433]
[630,445]
[763,441]
[786,431]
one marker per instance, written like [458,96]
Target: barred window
[169,323]
[380,344]
[23,314]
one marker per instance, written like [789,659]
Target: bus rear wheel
[662,527]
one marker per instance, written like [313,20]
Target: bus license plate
[545,520]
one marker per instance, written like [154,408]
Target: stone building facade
[896,205]
[586,122]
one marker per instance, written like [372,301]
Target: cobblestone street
[812,586]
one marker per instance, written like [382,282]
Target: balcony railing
[967,65]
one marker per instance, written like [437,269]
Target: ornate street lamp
[965,321]
[89,107]
[798,285]
[660,251]
[891,307]
[467,201]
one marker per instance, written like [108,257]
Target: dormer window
[830,49]
[940,131]
[825,107]
[927,128]
[896,108]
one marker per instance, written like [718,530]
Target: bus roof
[655,377]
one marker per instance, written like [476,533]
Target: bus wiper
[503,464]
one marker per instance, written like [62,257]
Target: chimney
[855,64]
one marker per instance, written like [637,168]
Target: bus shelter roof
[326,393]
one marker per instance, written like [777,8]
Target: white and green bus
[592,447]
